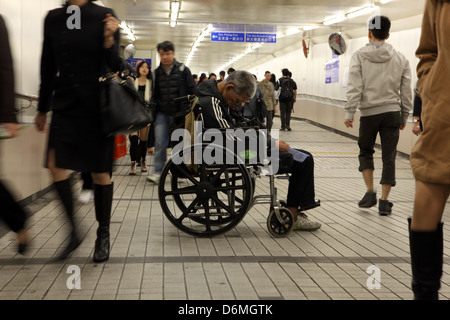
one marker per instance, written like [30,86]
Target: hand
[403,126]
[416,128]
[282,146]
[111,26]
[40,121]
[348,123]
[12,128]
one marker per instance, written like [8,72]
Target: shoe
[289,129]
[143,166]
[150,150]
[103,203]
[282,129]
[302,223]
[153,178]
[133,168]
[23,239]
[384,207]
[369,200]
[73,244]
[85,196]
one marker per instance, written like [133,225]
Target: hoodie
[379,82]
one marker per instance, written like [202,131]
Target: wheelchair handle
[187,98]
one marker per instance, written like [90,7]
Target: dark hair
[194,76]
[222,73]
[165,46]
[285,72]
[231,70]
[267,72]
[212,74]
[202,76]
[273,78]
[139,65]
[380,26]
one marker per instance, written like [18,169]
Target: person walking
[380,85]
[172,80]
[11,212]
[287,97]
[71,65]
[268,91]
[431,153]
[138,140]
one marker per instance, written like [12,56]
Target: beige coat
[430,157]
[268,90]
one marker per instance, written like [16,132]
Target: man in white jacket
[380,86]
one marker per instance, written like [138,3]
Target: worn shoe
[384,207]
[153,178]
[288,128]
[302,223]
[369,200]
[143,166]
[133,169]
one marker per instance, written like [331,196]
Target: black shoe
[282,129]
[73,244]
[384,207]
[289,129]
[369,200]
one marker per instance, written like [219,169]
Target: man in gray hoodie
[379,85]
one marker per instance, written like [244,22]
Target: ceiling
[149,20]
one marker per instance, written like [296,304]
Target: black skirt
[80,144]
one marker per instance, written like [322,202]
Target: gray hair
[243,81]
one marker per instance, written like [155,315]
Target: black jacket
[178,83]
[71,61]
[7,99]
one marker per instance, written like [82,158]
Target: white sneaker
[302,223]
[85,196]
[154,177]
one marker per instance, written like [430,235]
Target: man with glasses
[219,101]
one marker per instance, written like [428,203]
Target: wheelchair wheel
[280,226]
[204,199]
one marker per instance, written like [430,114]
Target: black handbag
[123,109]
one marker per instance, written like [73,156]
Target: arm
[427,51]
[7,99]
[354,90]
[406,94]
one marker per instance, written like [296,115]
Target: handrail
[27,97]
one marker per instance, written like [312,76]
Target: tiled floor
[151,259]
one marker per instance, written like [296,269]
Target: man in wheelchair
[219,100]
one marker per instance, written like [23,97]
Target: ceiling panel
[149,19]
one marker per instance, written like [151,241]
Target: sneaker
[85,196]
[153,178]
[369,200]
[133,169]
[143,166]
[302,223]
[384,207]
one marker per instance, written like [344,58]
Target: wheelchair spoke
[188,209]
[223,205]
[187,174]
[185,190]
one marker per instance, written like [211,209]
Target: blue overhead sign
[261,37]
[228,36]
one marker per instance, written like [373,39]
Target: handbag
[123,109]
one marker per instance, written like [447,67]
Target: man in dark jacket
[172,79]
[219,102]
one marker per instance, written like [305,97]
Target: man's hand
[348,123]
[282,146]
[111,26]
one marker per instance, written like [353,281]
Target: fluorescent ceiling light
[334,20]
[385,1]
[175,7]
[360,12]
[307,28]
[199,39]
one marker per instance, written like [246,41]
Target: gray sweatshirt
[379,81]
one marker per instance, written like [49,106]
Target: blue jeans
[162,138]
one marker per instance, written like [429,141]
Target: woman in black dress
[71,65]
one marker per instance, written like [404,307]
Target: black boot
[64,190]
[427,249]
[103,195]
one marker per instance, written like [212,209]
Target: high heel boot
[64,190]
[427,249]
[103,195]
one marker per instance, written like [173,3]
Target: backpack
[286,91]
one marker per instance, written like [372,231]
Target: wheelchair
[206,198]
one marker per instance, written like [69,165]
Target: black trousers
[301,182]
[10,211]
[285,113]
[388,126]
